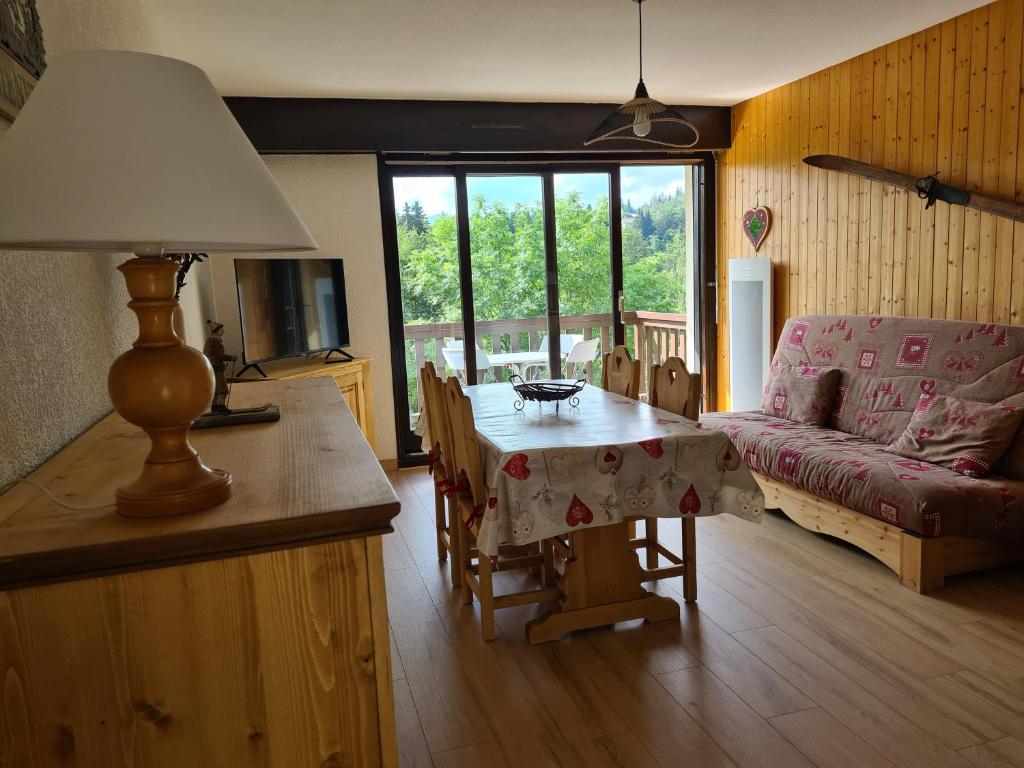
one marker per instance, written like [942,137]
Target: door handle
[622,304]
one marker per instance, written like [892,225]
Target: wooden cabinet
[352,378]
[253,633]
[354,383]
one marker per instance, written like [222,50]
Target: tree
[646,224]
[413,218]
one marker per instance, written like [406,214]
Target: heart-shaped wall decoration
[756,223]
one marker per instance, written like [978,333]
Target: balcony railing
[656,337]
[651,337]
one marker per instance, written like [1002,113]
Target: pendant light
[644,119]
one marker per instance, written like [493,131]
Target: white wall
[337,197]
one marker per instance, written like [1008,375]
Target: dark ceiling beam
[285,125]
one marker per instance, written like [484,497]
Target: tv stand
[345,356]
[251,366]
[352,378]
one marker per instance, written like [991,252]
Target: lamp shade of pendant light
[643,119]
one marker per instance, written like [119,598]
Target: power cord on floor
[54,499]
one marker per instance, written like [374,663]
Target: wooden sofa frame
[922,564]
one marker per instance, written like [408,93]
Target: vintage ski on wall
[927,188]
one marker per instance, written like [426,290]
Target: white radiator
[750,331]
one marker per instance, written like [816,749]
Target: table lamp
[121,151]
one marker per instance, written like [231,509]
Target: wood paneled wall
[945,99]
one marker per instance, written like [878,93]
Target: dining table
[578,474]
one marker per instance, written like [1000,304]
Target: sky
[639,184]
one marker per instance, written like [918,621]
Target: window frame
[458,167]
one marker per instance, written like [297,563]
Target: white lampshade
[133,152]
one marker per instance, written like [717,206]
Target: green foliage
[507,246]
[583,245]
[430,272]
[654,255]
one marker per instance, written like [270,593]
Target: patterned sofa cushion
[858,473]
[805,395]
[964,435]
[888,362]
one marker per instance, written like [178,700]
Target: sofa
[843,477]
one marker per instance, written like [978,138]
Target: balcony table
[581,473]
[518,361]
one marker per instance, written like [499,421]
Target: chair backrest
[437,412]
[427,375]
[454,358]
[674,388]
[621,373]
[483,362]
[583,351]
[465,445]
[566,341]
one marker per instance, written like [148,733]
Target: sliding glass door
[659,265]
[582,221]
[508,258]
[540,254]
[427,247]
[536,271]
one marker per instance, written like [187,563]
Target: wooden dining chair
[478,570]
[620,373]
[672,388]
[446,516]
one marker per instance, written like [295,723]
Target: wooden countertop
[308,478]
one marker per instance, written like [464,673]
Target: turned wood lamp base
[162,386]
[174,489]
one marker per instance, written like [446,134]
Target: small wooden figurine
[219,359]
[220,415]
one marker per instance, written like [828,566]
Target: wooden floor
[801,651]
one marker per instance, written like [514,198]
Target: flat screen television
[291,307]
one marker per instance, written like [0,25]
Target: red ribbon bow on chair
[476,514]
[454,489]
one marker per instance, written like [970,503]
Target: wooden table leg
[608,591]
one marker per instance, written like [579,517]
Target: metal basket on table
[546,391]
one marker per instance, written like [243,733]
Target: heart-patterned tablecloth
[609,458]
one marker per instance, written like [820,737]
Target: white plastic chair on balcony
[566,342]
[581,355]
[455,358]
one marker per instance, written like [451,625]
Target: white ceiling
[696,51]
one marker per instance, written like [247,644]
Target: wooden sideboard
[252,633]
[352,378]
